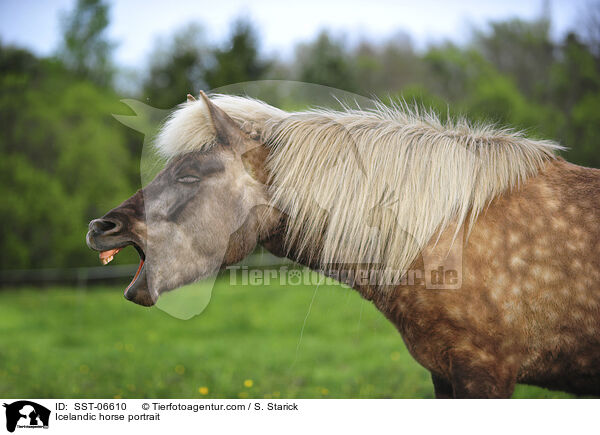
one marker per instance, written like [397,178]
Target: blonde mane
[369,186]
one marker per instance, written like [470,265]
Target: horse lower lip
[138,291]
[136,276]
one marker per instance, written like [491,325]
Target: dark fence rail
[84,276]
[80,276]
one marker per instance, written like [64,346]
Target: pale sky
[135,24]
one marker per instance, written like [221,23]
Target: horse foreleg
[470,381]
[443,388]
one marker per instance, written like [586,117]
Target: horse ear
[228,132]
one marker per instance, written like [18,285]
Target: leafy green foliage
[65,160]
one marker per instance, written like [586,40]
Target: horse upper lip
[106,245]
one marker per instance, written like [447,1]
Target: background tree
[325,61]
[522,50]
[576,93]
[177,67]
[387,66]
[238,60]
[590,18]
[85,48]
[64,161]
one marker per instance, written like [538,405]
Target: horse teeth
[107,260]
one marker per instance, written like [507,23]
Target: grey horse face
[204,210]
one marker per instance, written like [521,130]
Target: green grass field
[92,343]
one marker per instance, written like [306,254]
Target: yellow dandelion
[248,383]
[179,369]
[203,390]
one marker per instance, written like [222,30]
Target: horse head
[206,209]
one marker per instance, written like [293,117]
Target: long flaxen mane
[368,186]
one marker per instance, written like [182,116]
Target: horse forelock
[189,127]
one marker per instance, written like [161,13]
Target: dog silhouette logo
[26,414]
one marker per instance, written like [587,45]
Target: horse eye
[187,179]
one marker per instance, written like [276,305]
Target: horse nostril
[103,226]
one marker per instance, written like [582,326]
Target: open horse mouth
[140,275]
[107,237]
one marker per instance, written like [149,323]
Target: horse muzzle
[109,235]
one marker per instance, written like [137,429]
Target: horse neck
[275,244]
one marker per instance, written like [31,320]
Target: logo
[26,414]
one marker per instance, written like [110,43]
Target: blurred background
[65,66]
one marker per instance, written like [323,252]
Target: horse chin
[138,291]
[146,286]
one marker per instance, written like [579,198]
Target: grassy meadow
[250,342]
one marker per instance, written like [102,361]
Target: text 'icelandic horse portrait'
[388,193]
